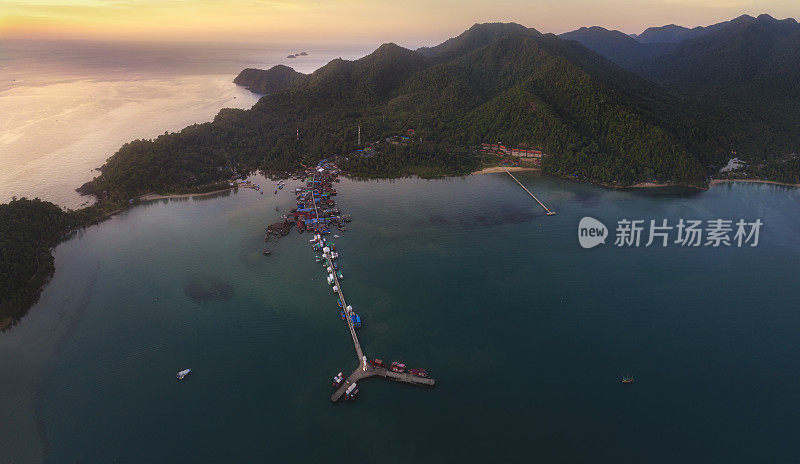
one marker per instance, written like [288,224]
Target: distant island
[667,107]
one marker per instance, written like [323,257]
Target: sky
[407,22]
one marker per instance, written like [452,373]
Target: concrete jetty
[364,369]
[549,213]
[371,371]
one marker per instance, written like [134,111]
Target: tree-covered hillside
[620,48]
[268,81]
[504,82]
[738,81]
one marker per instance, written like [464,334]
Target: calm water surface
[67,106]
[526,333]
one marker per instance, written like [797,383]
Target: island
[499,94]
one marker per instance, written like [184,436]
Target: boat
[377,363]
[397,367]
[180,375]
[335,236]
[352,392]
[339,302]
[627,379]
[339,275]
[338,379]
[418,373]
[266,252]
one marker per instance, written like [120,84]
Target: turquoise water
[526,333]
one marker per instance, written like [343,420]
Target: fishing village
[316,212]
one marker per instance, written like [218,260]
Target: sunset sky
[409,22]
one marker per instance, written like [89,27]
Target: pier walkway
[364,369]
[549,213]
[371,371]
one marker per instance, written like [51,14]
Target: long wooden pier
[364,369]
[549,213]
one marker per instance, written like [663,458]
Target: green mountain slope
[747,73]
[268,81]
[543,91]
[504,82]
[616,46]
[672,33]
[477,36]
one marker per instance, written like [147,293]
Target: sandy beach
[494,169]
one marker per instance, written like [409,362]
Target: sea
[527,333]
[67,106]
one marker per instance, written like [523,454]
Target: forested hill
[749,72]
[477,36]
[28,230]
[739,79]
[268,81]
[673,33]
[616,46]
[494,82]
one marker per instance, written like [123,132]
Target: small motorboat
[266,252]
[335,236]
[627,379]
[180,375]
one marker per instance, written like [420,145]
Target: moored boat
[181,374]
[352,392]
[397,367]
